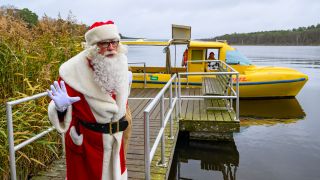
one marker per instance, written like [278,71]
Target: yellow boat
[254,81]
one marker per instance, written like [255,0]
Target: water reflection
[218,158]
[271,109]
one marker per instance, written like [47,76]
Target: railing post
[162,162]
[12,156]
[176,96]
[238,94]
[179,95]
[170,107]
[231,87]
[144,71]
[187,74]
[146,146]
[63,145]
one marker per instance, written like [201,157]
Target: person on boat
[210,65]
[89,105]
[211,56]
[184,62]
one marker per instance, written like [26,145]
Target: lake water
[278,139]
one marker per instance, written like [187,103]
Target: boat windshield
[235,57]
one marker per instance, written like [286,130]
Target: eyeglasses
[108,43]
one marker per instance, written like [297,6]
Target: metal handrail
[12,147]
[149,154]
[218,61]
[234,94]
[144,71]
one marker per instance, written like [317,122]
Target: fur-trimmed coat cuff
[62,126]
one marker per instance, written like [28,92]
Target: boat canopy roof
[167,42]
[146,42]
[209,44]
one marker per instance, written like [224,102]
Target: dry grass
[29,61]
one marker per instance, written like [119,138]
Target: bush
[29,61]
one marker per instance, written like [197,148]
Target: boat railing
[13,148]
[231,93]
[219,63]
[164,118]
[144,71]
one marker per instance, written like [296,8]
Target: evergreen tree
[28,16]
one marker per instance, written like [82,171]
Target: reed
[29,62]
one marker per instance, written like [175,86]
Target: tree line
[298,36]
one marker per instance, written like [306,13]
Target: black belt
[107,128]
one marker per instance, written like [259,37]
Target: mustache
[110,53]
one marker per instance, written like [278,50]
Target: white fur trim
[103,111]
[121,102]
[124,175]
[76,139]
[130,76]
[122,94]
[107,168]
[78,75]
[63,126]
[111,168]
[100,33]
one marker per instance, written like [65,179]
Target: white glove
[60,96]
[130,77]
[130,82]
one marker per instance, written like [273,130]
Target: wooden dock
[207,124]
[193,111]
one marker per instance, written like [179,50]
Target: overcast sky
[208,18]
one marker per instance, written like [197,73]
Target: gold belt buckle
[110,128]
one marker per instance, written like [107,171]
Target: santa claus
[89,105]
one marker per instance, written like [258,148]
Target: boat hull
[254,82]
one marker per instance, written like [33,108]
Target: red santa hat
[100,31]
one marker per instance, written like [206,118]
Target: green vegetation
[300,36]
[28,16]
[31,52]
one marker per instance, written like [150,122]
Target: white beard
[111,74]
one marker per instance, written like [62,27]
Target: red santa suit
[90,154]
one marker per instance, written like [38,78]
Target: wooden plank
[189,110]
[196,106]
[225,113]
[211,86]
[203,111]
[141,92]
[217,113]
[134,92]
[134,105]
[141,104]
[211,114]
[184,104]
[139,114]
[154,92]
[157,114]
